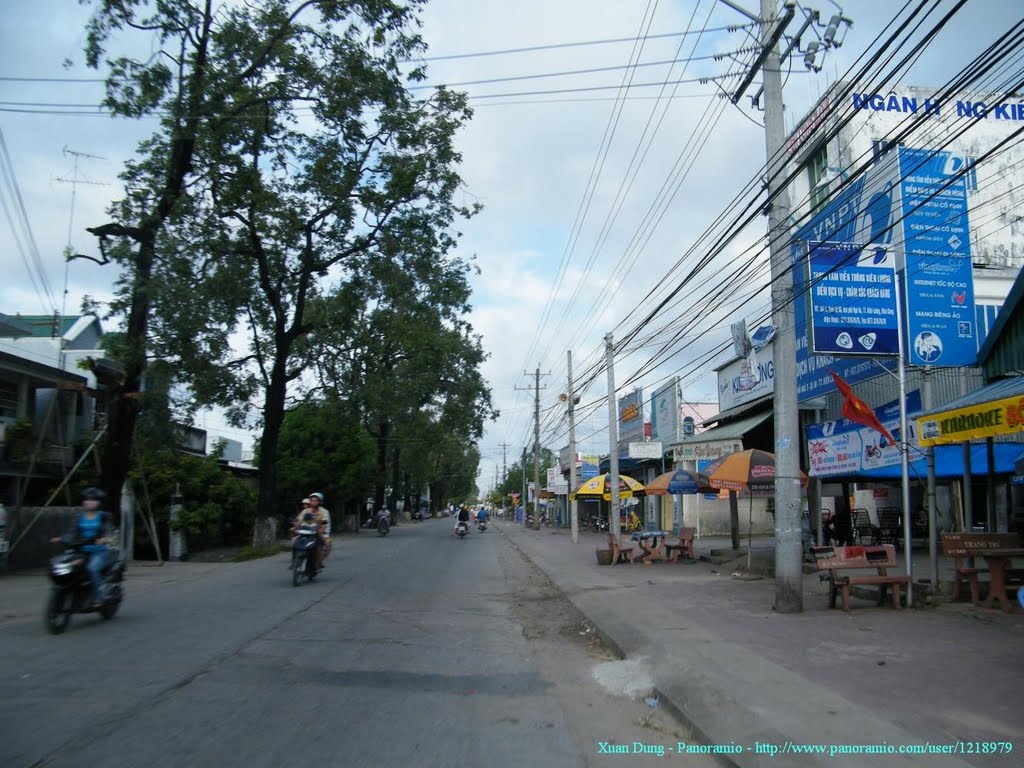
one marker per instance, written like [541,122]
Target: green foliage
[324,448]
[217,505]
[254,553]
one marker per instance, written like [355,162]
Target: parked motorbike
[304,546]
[383,526]
[72,587]
[461,529]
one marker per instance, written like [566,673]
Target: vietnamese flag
[856,410]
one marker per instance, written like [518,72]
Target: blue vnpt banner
[940,286]
[853,300]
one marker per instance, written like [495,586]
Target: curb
[696,731]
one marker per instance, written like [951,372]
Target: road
[414,649]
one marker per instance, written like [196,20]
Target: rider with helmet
[322,516]
[93,529]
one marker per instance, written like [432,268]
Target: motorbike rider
[323,517]
[93,530]
[481,515]
[463,518]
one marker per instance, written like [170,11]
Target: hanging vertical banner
[940,283]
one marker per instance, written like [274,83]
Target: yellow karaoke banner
[998,417]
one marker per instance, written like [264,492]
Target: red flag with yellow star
[856,410]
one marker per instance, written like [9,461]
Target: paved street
[417,649]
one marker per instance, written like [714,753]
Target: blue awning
[949,463]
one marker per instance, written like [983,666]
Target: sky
[584,209]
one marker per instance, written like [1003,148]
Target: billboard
[652,450]
[665,412]
[937,244]
[589,465]
[747,378]
[631,417]
[843,447]
[852,299]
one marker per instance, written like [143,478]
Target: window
[8,399]
[817,167]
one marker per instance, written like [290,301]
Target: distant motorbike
[482,525]
[72,587]
[461,529]
[307,539]
[383,526]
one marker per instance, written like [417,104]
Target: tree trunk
[382,464]
[123,408]
[396,455]
[273,418]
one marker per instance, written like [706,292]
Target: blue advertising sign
[812,371]
[940,285]
[844,447]
[853,300]
[631,417]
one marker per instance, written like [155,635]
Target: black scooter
[307,539]
[72,587]
[461,529]
[383,526]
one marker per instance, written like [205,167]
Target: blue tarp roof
[949,463]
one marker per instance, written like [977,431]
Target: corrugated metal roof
[1011,387]
[732,431]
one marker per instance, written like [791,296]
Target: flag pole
[904,445]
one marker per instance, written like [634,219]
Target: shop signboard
[705,451]
[651,450]
[631,416]
[843,447]
[589,465]
[665,412]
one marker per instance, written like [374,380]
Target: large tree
[291,146]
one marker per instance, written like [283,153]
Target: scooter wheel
[58,612]
[298,566]
[109,610]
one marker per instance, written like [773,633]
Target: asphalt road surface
[417,649]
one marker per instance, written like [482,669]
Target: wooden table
[998,561]
[656,551]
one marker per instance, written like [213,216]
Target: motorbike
[304,546]
[482,525]
[382,523]
[72,587]
[461,529]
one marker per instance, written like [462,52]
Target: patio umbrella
[747,470]
[751,470]
[600,487]
[672,483]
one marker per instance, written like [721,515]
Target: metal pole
[613,440]
[933,514]
[968,496]
[904,450]
[573,509]
[536,451]
[525,489]
[788,543]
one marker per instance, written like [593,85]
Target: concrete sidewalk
[740,674]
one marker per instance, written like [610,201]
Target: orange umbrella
[751,469]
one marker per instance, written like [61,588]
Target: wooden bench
[962,546]
[620,554]
[683,547]
[878,557]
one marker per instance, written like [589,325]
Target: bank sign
[911,203]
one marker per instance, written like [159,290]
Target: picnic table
[653,545]
[998,563]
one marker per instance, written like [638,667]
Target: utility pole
[536,447]
[570,398]
[504,471]
[788,543]
[613,439]
[524,486]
